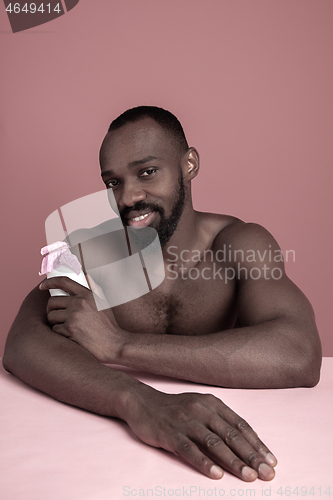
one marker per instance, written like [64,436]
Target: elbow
[5,364]
[305,369]
[311,372]
[12,353]
[8,356]
[312,359]
[301,354]
[299,373]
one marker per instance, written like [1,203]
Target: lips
[141,219]
[136,219]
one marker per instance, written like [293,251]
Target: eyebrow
[132,164]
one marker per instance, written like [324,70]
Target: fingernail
[249,474]
[266,472]
[270,459]
[216,472]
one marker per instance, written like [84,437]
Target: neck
[186,235]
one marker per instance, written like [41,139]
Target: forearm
[260,356]
[63,369]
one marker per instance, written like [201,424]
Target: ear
[191,164]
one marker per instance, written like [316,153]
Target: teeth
[141,217]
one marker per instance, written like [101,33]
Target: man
[243,324]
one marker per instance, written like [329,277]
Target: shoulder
[211,225]
[227,231]
[249,245]
[245,235]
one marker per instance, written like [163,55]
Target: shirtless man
[239,330]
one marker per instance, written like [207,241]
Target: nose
[130,194]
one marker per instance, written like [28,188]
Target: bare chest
[188,305]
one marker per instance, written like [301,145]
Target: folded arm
[276,344]
[59,367]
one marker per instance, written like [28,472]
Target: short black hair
[161,116]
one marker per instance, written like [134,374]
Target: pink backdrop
[251,81]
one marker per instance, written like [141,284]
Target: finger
[190,452]
[233,452]
[250,435]
[61,330]
[57,316]
[212,445]
[57,302]
[65,284]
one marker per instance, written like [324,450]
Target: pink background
[250,80]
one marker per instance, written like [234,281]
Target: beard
[167,225]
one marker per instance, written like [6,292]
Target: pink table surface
[52,451]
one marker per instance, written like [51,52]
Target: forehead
[138,140]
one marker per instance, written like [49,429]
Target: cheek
[166,198]
[168,187]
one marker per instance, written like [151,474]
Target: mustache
[141,206]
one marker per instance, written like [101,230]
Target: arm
[266,355]
[276,346]
[66,371]
[59,367]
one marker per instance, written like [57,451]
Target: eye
[148,172]
[112,184]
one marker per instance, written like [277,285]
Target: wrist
[133,399]
[124,340]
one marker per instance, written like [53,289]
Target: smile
[141,220]
[141,217]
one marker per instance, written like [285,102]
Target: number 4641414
[32,8]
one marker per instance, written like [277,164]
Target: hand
[77,318]
[202,430]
